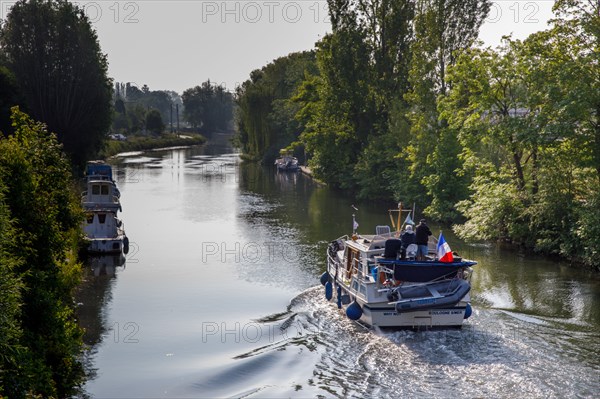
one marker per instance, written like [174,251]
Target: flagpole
[399,216]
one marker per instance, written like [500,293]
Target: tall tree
[265,109]
[54,54]
[443,28]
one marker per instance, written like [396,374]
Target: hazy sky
[181,43]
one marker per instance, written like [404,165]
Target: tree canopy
[208,107]
[405,104]
[59,68]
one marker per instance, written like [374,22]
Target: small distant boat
[287,163]
[104,232]
[378,288]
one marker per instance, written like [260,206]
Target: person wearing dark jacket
[422,237]
[407,238]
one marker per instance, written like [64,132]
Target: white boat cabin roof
[367,243]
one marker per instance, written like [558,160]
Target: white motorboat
[104,232]
[287,163]
[375,286]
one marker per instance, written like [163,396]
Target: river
[219,297]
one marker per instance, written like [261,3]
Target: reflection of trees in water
[535,285]
[95,293]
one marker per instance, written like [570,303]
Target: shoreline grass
[140,143]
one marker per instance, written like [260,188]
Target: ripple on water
[323,353]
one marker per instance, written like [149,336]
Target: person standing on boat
[422,237]
[407,238]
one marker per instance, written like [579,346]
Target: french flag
[444,253]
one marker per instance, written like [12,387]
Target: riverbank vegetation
[140,143]
[40,216]
[401,102]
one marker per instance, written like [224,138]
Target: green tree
[265,116]
[338,125]
[54,54]
[491,106]
[208,107]
[46,219]
[442,30]
[154,122]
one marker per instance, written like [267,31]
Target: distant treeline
[205,108]
[400,102]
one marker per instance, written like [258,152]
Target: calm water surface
[219,297]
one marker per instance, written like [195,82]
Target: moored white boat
[287,163]
[104,232]
[366,278]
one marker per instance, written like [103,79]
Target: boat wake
[315,350]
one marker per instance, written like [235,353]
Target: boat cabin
[358,255]
[101,224]
[101,194]
[98,170]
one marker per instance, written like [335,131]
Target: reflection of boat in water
[286,180]
[287,163]
[105,265]
[379,289]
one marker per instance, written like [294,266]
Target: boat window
[363,290]
[102,217]
[95,189]
[89,217]
[104,189]
[355,285]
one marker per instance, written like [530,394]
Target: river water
[219,297]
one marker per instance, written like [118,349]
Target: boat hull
[385,314]
[427,318]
